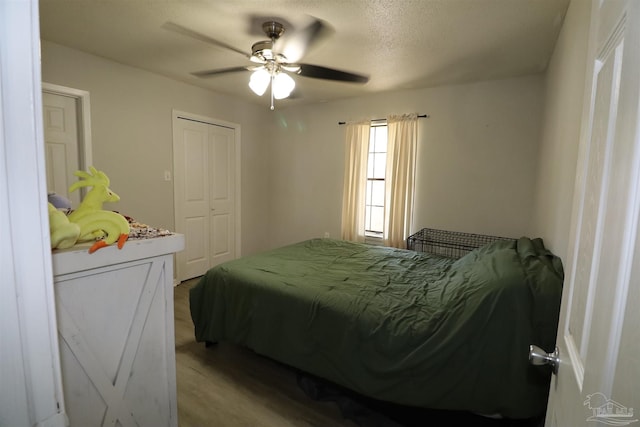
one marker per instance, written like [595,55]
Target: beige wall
[477,158]
[564,90]
[131,114]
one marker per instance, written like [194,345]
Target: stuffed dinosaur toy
[94,222]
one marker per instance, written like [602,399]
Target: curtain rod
[421,116]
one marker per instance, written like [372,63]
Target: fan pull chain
[272,92]
[273,42]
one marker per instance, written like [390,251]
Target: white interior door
[206,195]
[61,144]
[191,175]
[66,116]
[222,194]
[597,381]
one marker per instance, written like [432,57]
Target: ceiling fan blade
[318,72]
[294,45]
[176,28]
[211,73]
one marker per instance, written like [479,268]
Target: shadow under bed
[367,412]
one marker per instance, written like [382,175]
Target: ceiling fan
[274,59]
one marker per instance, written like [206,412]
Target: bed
[395,325]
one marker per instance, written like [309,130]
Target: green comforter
[395,325]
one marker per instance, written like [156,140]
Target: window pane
[367,218]
[372,141]
[381,139]
[377,219]
[379,165]
[370,163]
[377,193]
[376,165]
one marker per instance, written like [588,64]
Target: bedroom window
[376,170]
[380,163]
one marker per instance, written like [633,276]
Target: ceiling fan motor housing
[263,50]
[273,29]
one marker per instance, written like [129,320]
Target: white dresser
[115,323]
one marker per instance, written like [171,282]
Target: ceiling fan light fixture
[259,81]
[283,85]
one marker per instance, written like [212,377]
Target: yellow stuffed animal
[93,221]
[63,233]
[89,222]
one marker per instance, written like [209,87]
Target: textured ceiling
[400,44]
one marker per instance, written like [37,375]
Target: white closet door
[223,192]
[191,154]
[205,195]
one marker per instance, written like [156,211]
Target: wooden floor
[228,386]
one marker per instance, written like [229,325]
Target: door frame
[83,104]
[177,115]
[31,369]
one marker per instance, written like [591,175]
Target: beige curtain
[402,143]
[355,180]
